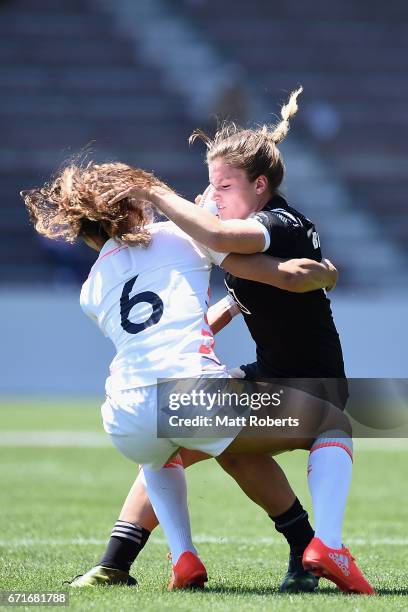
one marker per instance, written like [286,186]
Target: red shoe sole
[318,570]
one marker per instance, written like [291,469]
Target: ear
[261,184]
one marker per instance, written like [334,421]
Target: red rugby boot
[337,565]
[188,573]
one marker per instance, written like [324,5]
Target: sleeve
[213,256]
[263,227]
[218,258]
[279,231]
[84,301]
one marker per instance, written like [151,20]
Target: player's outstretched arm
[296,275]
[235,235]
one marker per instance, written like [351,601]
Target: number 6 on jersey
[126,305]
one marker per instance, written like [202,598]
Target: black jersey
[294,333]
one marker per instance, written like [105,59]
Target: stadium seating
[71,79]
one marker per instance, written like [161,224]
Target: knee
[343,423]
[347,425]
[230,463]
[338,421]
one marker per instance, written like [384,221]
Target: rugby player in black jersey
[295,334]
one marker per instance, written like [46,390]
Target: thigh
[295,423]
[130,418]
[299,414]
[190,457]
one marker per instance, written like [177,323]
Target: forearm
[296,275]
[231,236]
[197,222]
[234,235]
[221,313]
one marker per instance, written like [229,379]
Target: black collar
[277,201]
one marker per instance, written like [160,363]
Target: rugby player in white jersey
[166,284]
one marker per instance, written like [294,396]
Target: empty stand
[352,59]
[70,80]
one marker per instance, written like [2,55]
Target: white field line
[86,439]
[198,539]
[90,439]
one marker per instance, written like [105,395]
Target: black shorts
[333,390]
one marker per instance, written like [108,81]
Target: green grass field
[59,503]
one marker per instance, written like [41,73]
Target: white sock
[167,492]
[329,477]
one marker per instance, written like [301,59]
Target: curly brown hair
[72,205]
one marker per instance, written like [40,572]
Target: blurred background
[130,79]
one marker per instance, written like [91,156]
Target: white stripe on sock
[131,525]
[125,536]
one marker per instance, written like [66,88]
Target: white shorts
[130,418]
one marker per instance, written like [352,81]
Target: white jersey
[152,303]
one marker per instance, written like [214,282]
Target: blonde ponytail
[287,111]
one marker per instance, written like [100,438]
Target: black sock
[294,525]
[126,542]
